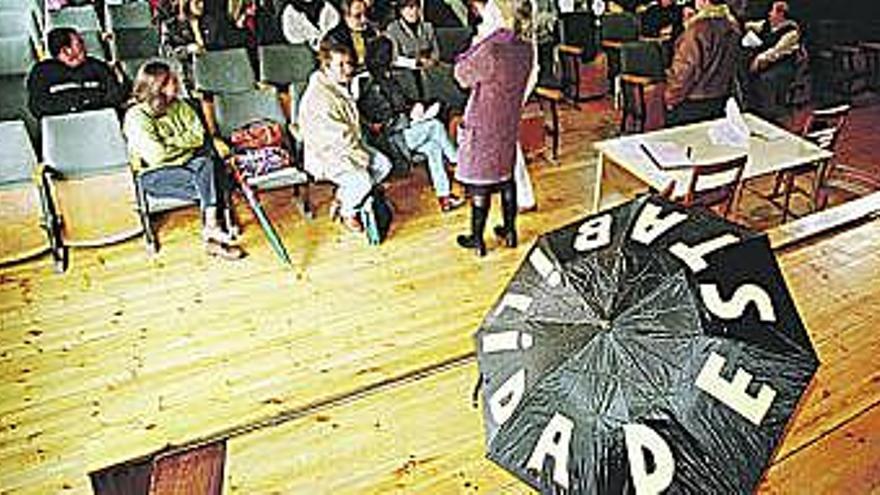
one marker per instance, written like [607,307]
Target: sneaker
[218,235]
[450,202]
[224,251]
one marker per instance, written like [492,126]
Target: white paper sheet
[732,130]
[751,40]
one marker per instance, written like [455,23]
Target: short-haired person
[71,81]
[773,67]
[354,31]
[704,65]
[167,135]
[413,37]
[495,68]
[333,148]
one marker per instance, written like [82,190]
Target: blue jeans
[429,138]
[354,185]
[202,178]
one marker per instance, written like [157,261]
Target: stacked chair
[617,29]
[87,171]
[28,224]
[583,69]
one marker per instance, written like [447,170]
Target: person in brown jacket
[704,65]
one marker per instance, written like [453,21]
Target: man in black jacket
[71,81]
[354,31]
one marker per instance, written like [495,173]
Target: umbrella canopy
[649,348]
[268,229]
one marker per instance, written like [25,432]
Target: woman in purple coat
[493,70]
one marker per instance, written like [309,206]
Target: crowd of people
[356,121]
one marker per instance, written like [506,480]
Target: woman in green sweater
[168,137]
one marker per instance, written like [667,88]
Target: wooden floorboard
[123,354]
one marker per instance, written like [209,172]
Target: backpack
[375,215]
[259,148]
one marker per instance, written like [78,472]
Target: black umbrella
[647,349]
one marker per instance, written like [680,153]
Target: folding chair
[716,184]
[28,224]
[135,15]
[235,110]
[641,90]
[577,53]
[617,29]
[287,67]
[86,166]
[823,128]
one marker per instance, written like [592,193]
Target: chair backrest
[16,55]
[579,29]
[17,157]
[16,24]
[622,26]
[83,18]
[129,16]
[714,184]
[451,41]
[134,43]
[284,64]
[234,110]
[198,471]
[223,71]
[642,58]
[824,125]
[84,143]
[94,44]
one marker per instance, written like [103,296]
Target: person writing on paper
[414,38]
[704,65]
[493,69]
[307,21]
[776,43]
[333,148]
[383,104]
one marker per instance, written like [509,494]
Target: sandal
[218,235]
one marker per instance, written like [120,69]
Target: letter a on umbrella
[646,349]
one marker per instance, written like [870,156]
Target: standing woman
[492,69]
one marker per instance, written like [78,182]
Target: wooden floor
[353,372]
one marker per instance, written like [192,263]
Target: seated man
[773,66]
[383,104]
[333,148]
[71,81]
[167,135]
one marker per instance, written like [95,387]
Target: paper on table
[666,154]
[420,113]
[751,40]
[732,130]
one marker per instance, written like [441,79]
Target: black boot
[479,213]
[507,232]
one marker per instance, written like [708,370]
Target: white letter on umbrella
[693,256]
[734,394]
[554,442]
[736,306]
[593,234]
[639,437]
[649,226]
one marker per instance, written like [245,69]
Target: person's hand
[758,64]
[375,127]
[426,62]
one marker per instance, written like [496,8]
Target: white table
[623,170]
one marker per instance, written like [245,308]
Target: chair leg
[301,198]
[150,241]
[786,204]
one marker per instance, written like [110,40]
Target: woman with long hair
[168,137]
[492,69]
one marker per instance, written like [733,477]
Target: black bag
[375,215]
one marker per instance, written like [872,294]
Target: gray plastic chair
[16,59]
[91,183]
[223,71]
[82,18]
[28,224]
[129,16]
